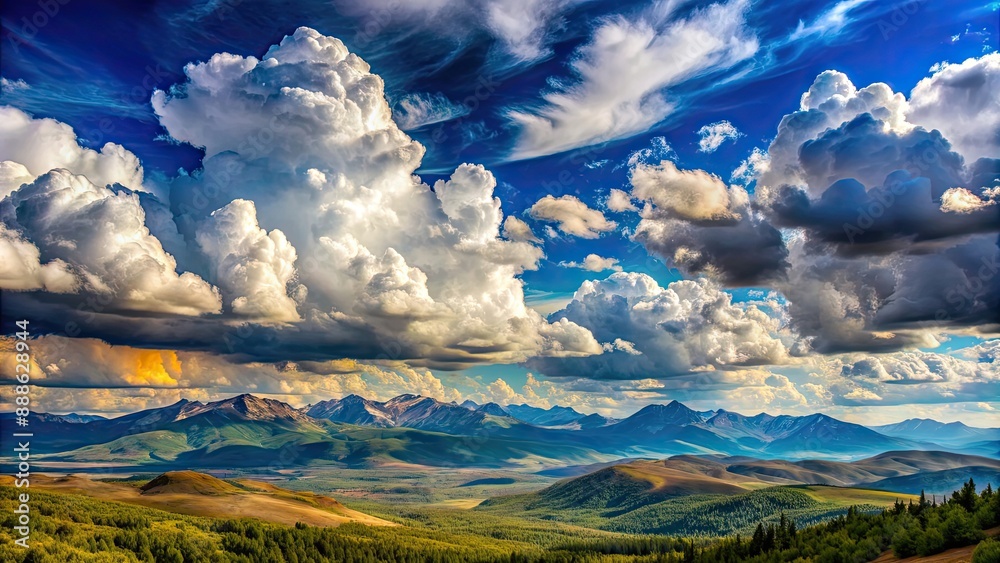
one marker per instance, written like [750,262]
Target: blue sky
[560,99]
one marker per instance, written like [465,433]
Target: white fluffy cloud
[517,230]
[327,166]
[620,201]
[594,263]
[687,326]
[572,216]
[252,267]
[21,267]
[40,145]
[914,376]
[692,195]
[960,100]
[306,213]
[102,236]
[714,134]
[610,100]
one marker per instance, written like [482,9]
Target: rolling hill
[199,494]
[678,496]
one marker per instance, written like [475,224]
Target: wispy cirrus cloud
[609,99]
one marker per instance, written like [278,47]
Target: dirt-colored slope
[188,482]
[197,494]
[676,482]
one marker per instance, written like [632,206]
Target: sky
[788,207]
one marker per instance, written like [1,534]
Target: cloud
[960,101]
[21,267]
[517,230]
[9,86]
[101,236]
[830,22]
[697,223]
[594,263]
[830,101]
[253,268]
[750,168]
[520,27]
[658,149]
[572,216]
[620,201]
[691,195]
[913,377]
[414,111]
[306,211]
[608,100]
[875,251]
[74,374]
[40,145]
[714,134]
[964,201]
[687,326]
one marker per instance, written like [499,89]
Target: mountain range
[245,430]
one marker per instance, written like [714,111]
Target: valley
[495,479]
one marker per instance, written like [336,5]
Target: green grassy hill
[682,496]
[205,442]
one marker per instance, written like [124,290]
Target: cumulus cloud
[887,230]
[517,230]
[101,235]
[830,101]
[308,215]
[21,267]
[571,216]
[40,145]
[620,201]
[594,263]
[914,376]
[697,223]
[714,134]
[252,267]
[687,326]
[609,100]
[964,201]
[960,101]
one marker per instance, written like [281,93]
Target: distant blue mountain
[515,430]
[934,431]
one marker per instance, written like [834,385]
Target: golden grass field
[198,494]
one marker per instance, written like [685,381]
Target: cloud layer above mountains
[307,242]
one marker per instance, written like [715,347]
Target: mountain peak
[245,406]
[653,418]
[493,409]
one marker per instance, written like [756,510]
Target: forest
[70,528]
